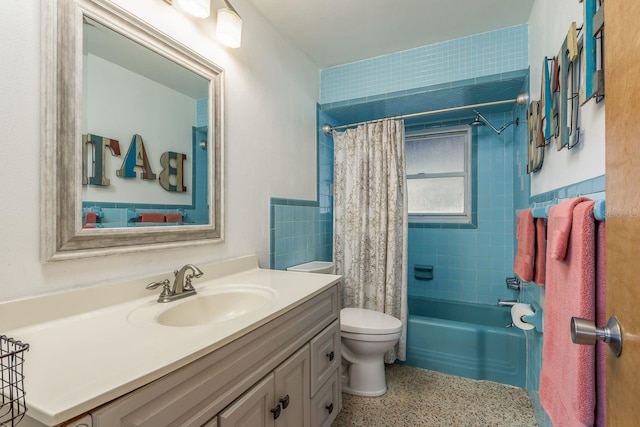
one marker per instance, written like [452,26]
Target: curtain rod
[521,99]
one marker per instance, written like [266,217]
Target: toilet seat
[369,322]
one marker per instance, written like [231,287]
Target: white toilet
[366,336]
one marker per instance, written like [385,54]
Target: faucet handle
[187,286]
[166,287]
[195,273]
[513,283]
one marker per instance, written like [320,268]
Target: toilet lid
[364,321]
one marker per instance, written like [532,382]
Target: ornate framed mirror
[132,138]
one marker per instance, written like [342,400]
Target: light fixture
[197,8]
[229,26]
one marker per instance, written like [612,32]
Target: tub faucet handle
[513,283]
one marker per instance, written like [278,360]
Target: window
[439,169]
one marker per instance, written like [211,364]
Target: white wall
[548,26]
[271,94]
[120,103]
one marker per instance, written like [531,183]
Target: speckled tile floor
[418,397]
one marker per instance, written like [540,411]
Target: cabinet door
[253,409]
[325,404]
[292,390]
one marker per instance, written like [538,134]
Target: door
[622,118]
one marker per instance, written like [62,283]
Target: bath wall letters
[98,146]
[136,156]
[94,148]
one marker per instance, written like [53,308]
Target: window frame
[466,218]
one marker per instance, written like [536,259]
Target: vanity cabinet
[302,392]
[296,353]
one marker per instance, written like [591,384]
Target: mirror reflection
[145,124]
[132,145]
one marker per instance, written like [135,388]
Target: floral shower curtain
[370,221]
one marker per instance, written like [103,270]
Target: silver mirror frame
[62,235]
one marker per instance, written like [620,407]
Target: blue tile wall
[538,410]
[469,57]
[325,169]
[297,234]
[200,175]
[530,292]
[202,112]
[471,264]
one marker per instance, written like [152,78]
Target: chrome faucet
[506,303]
[182,286]
[182,281]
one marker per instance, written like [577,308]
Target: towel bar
[599,210]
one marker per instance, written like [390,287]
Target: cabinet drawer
[326,403]
[325,355]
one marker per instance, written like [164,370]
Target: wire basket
[12,403]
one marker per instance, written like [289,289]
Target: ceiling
[335,32]
[122,51]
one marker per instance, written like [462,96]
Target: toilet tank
[322,267]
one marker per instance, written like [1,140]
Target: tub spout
[506,303]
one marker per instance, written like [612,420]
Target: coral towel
[567,379]
[525,233]
[91,218]
[558,230]
[173,217]
[151,217]
[601,321]
[540,263]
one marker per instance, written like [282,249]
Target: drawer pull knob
[276,412]
[330,356]
[329,407]
[284,402]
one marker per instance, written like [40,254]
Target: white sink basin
[211,305]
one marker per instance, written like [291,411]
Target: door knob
[584,331]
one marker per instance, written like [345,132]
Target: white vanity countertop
[78,362]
